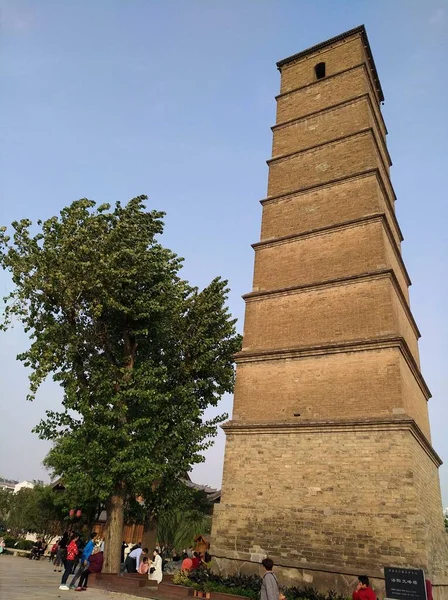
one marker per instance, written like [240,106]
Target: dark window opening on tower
[320,70]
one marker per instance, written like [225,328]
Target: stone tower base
[343,581]
[325,522]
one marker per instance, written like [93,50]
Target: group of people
[77,559]
[38,549]
[138,561]
[192,561]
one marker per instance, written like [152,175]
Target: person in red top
[53,552]
[72,552]
[363,590]
[95,566]
[187,564]
[196,560]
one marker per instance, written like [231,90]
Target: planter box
[102,576]
[222,596]
[137,576]
[176,591]
[114,582]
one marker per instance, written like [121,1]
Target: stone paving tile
[24,579]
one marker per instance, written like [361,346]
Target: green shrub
[24,545]
[18,543]
[181,578]
[309,593]
[250,583]
[245,585]
[212,586]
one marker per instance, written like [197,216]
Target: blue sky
[110,99]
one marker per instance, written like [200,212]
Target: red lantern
[72,513]
[78,513]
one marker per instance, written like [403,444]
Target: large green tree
[139,353]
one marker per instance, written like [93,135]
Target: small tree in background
[139,353]
[5,504]
[37,510]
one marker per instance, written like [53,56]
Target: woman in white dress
[155,569]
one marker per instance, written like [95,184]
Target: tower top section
[359,32]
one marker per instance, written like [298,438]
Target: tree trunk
[113,534]
[149,538]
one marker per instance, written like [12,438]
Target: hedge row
[246,585]
[18,543]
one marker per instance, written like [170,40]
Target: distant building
[8,484]
[15,486]
[26,484]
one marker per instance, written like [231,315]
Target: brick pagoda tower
[329,467]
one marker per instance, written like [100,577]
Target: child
[363,590]
[144,566]
[53,552]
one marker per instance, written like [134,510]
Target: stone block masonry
[329,467]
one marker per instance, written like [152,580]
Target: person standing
[123,548]
[363,590]
[72,552]
[269,585]
[133,559]
[53,552]
[155,569]
[61,554]
[83,563]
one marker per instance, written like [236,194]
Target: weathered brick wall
[341,56]
[414,398]
[327,92]
[354,310]
[376,382]
[322,164]
[435,538]
[327,205]
[330,254]
[335,122]
[347,511]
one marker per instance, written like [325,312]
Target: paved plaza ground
[24,579]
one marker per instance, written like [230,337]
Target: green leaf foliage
[38,510]
[6,496]
[139,352]
[177,528]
